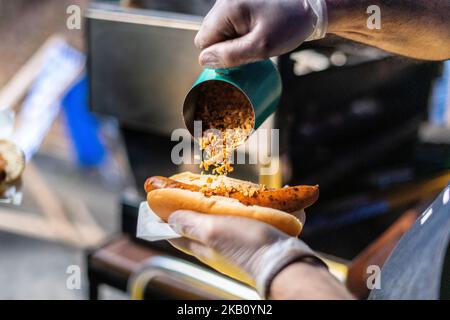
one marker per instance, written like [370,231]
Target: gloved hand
[245,249]
[243,31]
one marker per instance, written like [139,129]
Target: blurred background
[95,102]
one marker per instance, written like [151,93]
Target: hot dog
[226,196]
[289,199]
[12,165]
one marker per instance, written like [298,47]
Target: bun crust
[165,201]
[212,180]
[14,161]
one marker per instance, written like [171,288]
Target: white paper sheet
[6,123]
[151,228]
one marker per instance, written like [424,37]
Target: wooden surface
[51,212]
[67,220]
[122,256]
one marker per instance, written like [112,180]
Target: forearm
[306,281]
[414,28]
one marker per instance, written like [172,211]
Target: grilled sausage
[288,199]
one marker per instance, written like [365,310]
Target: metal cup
[260,82]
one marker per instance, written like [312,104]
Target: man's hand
[236,32]
[245,249]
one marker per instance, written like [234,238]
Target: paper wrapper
[11,195]
[151,228]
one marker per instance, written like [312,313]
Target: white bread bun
[203,180]
[167,200]
[14,159]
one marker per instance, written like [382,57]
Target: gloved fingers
[191,247]
[190,224]
[300,215]
[213,29]
[223,22]
[213,259]
[234,52]
[215,230]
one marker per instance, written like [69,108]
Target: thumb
[189,223]
[232,53]
[191,247]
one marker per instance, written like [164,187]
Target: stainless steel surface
[141,64]
[196,7]
[208,284]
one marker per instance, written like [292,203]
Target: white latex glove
[243,31]
[245,249]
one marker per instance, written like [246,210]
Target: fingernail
[178,228]
[172,216]
[198,42]
[172,223]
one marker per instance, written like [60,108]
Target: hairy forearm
[415,28]
[306,281]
